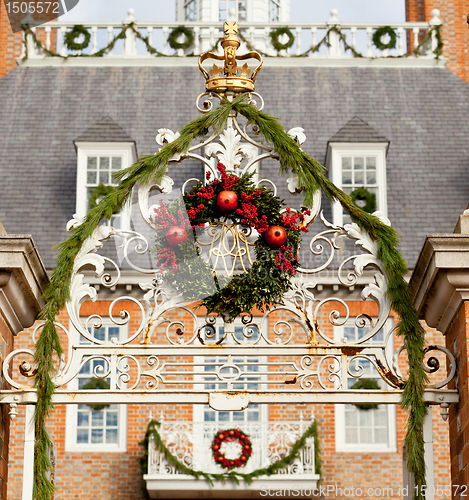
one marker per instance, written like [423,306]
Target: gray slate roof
[424,113]
[104,130]
[356,130]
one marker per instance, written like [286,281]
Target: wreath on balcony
[231,436]
[176,33]
[71,36]
[378,35]
[276,34]
[239,201]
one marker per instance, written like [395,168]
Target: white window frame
[337,150]
[340,444]
[71,444]
[199,410]
[86,149]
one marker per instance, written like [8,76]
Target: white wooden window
[274,10]
[88,428]
[190,9]
[254,412]
[96,164]
[355,165]
[227,7]
[359,429]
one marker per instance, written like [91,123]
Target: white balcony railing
[150,39]
[190,443]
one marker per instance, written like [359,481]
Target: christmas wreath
[378,35]
[276,34]
[73,34]
[97,192]
[366,383]
[231,436]
[238,201]
[97,383]
[176,33]
[363,194]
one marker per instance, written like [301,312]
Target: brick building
[406,117]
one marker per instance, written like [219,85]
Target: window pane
[351,418]
[346,177]
[92,163]
[224,416]
[83,419]
[366,437]
[104,177]
[116,163]
[371,162]
[100,334]
[104,162]
[359,177]
[238,416]
[347,162]
[91,177]
[381,436]
[97,418]
[359,163]
[364,417]
[96,435]
[351,435]
[111,418]
[82,436]
[371,176]
[111,436]
[381,415]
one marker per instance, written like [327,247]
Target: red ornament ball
[276,236]
[227,201]
[176,235]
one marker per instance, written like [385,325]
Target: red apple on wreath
[276,236]
[176,235]
[227,201]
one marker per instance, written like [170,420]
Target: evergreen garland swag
[276,467]
[311,176]
[378,35]
[176,33]
[276,34]
[71,36]
[264,284]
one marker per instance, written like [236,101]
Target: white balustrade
[307,35]
[190,443]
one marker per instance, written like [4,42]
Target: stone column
[23,279]
[439,287]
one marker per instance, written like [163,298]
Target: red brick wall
[117,475]
[457,341]
[6,346]
[455,30]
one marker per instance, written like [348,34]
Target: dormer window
[356,158]
[274,11]
[102,150]
[190,10]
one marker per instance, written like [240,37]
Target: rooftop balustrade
[331,40]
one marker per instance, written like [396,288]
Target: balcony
[149,43]
[190,443]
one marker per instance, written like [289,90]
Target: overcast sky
[301,10]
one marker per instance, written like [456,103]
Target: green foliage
[363,194]
[176,33]
[276,34]
[311,176]
[369,384]
[152,430]
[97,192]
[97,383]
[378,35]
[71,36]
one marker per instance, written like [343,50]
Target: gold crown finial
[231,77]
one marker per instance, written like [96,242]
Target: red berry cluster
[231,435]
[228,180]
[193,212]
[166,258]
[283,259]
[294,220]
[165,220]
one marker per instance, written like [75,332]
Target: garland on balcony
[311,177]
[315,48]
[152,431]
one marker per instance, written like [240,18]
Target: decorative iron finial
[230,77]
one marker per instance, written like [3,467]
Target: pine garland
[315,48]
[311,176]
[152,430]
